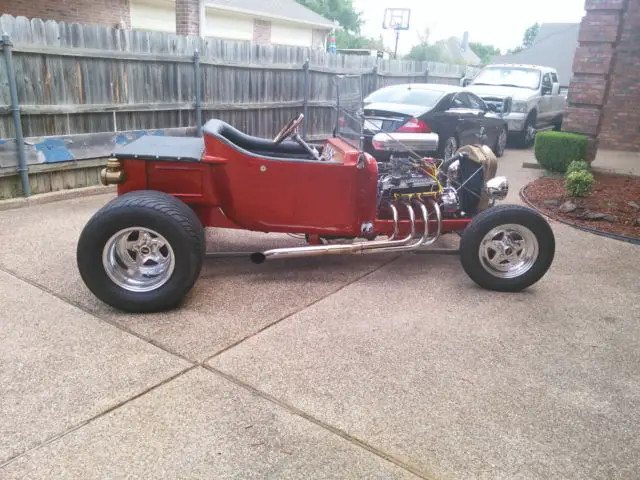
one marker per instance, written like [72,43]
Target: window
[547,85]
[406,96]
[554,77]
[461,100]
[509,77]
[476,102]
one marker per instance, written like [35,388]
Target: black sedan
[458,117]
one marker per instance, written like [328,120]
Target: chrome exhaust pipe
[355,248]
[416,244]
[435,238]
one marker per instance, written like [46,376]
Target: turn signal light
[414,125]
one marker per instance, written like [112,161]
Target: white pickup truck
[534,92]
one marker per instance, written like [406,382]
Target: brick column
[594,68]
[189,14]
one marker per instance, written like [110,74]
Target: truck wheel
[501,142]
[528,135]
[142,252]
[507,248]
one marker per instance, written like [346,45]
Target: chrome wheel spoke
[509,251]
[138,259]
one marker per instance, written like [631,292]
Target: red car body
[230,189]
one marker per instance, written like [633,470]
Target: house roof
[452,49]
[286,10]
[554,46]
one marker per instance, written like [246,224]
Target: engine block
[403,177]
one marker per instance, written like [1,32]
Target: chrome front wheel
[507,248]
[509,251]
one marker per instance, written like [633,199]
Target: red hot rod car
[143,251]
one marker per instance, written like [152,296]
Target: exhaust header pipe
[376,246]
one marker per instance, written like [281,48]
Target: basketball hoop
[396,19]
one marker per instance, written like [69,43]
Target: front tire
[501,142]
[142,252]
[507,248]
[527,137]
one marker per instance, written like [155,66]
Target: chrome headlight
[519,107]
[498,188]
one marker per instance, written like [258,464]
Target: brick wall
[620,123]
[605,91]
[188,17]
[261,31]
[110,13]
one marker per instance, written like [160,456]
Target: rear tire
[448,148]
[507,248]
[142,252]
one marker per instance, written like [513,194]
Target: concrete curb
[50,197]
[614,171]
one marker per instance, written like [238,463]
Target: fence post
[15,109]
[426,75]
[337,129]
[305,105]
[375,78]
[196,70]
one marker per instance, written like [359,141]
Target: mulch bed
[613,196]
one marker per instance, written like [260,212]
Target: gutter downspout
[15,109]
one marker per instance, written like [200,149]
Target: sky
[501,23]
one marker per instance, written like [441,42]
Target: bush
[579,183]
[556,150]
[577,166]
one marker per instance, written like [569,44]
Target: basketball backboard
[396,18]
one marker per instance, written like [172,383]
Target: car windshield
[509,77]
[406,96]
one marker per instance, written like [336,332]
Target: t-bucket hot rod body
[143,251]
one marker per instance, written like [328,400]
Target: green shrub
[579,183]
[577,166]
[556,150]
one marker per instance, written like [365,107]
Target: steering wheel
[289,129]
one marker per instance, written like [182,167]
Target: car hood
[401,108]
[502,92]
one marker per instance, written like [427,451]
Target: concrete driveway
[373,367]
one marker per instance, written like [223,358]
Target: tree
[424,52]
[530,35]
[485,52]
[349,19]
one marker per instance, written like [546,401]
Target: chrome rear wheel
[138,259]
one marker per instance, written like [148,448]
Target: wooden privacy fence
[81,90]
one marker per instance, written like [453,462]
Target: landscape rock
[551,202]
[589,215]
[635,205]
[568,207]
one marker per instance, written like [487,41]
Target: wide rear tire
[507,248]
[142,252]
